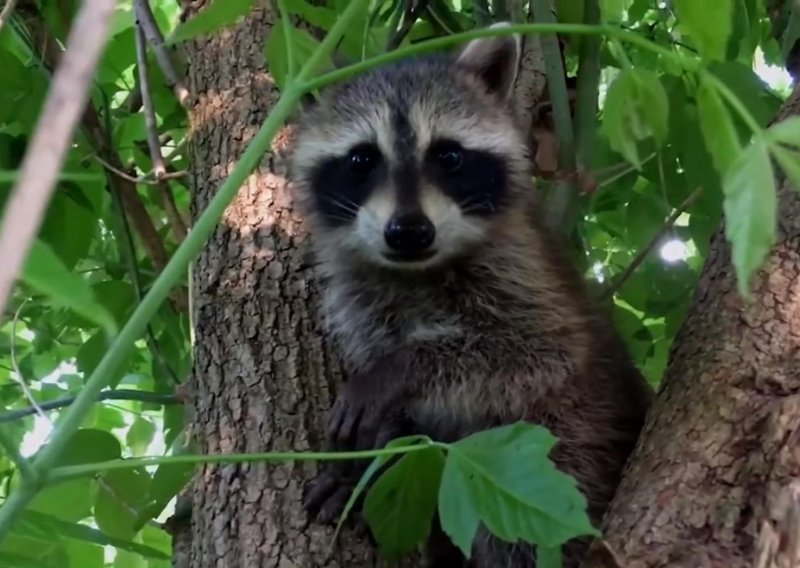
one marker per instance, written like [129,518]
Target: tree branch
[5,15]
[588,83]
[561,204]
[147,100]
[145,18]
[125,239]
[120,394]
[531,76]
[413,10]
[176,222]
[146,179]
[45,154]
[645,252]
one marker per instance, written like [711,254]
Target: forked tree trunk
[715,480]
[263,377]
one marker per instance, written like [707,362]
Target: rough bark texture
[263,376]
[713,480]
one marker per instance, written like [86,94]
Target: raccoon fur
[453,308]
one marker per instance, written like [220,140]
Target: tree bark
[714,479]
[263,375]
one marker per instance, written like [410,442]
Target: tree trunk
[263,377]
[714,480]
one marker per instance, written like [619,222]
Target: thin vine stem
[287,36]
[65,473]
[448,41]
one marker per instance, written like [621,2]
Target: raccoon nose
[409,233]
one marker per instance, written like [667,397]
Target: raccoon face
[410,166]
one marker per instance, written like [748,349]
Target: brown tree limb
[159,168]
[174,217]
[146,179]
[722,440]
[45,154]
[147,21]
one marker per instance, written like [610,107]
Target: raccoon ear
[494,60]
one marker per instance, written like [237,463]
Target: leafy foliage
[680,112]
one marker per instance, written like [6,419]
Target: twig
[159,168]
[562,203]
[5,15]
[147,179]
[147,21]
[631,268]
[151,240]
[29,472]
[63,108]
[174,217]
[125,239]
[17,372]
[588,82]
[120,394]
[412,13]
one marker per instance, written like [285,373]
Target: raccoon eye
[449,156]
[363,159]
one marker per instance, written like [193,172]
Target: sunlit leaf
[750,211]
[636,107]
[709,24]
[717,127]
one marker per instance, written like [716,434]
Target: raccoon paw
[364,423]
[327,494]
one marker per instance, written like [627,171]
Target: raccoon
[453,307]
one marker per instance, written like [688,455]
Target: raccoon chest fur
[367,319]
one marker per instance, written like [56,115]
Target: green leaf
[512,487]
[218,15]
[709,23]
[49,524]
[612,11]
[168,481]
[119,500]
[786,131]
[717,127]
[636,107]
[645,215]
[789,162]
[72,500]
[140,435]
[399,508]
[44,272]
[370,472]
[457,513]
[750,211]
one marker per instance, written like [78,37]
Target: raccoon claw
[361,425]
[326,496]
